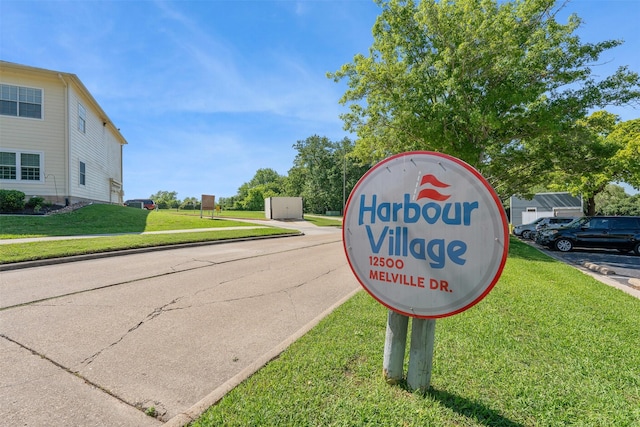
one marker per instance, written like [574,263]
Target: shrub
[34,202]
[11,200]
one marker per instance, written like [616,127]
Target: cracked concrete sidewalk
[104,352]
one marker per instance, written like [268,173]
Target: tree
[227,202]
[613,200]
[497,84]
[600,150]
[323,173]
[265,183]
[627,159]
[583,163]
[166,199]
[190,203]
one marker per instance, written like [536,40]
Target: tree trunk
[591,206]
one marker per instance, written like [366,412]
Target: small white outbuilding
[283,208]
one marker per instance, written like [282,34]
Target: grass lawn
[18,252]
[107,219]
[549,346]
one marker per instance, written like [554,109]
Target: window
[20,101]
[7,165]
[82,118]
[30,166]
[626,223]
[21,166]
[83,173]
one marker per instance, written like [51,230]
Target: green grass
[108,219]
[323,221]
[31,251]
[105,219]
[549,346]
[226,214]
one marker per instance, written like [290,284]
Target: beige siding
[97,147]
[60,142]
[46,136]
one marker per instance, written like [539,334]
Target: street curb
[216,395]
[632,289]
[598,268]
[98,255]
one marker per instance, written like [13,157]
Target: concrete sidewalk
[93,236]
[301,226]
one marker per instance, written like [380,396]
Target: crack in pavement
[167,273]
[155,313]
[68,370]
[279,291]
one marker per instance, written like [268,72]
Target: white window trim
[19,166]
[42,103]
[80,174]
[82,118]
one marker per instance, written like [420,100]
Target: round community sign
[425,234]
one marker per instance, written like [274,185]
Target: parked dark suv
[605,232]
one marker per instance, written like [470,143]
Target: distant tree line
[323,174]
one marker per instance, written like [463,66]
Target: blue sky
[208,92]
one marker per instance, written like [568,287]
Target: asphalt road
[609,264]
[99,342]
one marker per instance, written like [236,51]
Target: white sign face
[425,234]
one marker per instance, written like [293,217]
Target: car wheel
[564,245]
[526,234]
[636,249]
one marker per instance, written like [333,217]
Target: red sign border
[482,180]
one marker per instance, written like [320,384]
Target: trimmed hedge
[11,200]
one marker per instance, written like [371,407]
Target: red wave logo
[429,193]
[431,179]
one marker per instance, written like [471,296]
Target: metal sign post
[426,236]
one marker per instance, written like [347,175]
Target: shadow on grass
[92,219]
[518,249]
[471,409]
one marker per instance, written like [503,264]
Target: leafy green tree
[598,151]
[323,173]
[499,84]
[190,203]
[613,200]
[166,199]
[254,201]
[265,183]
[227,202]
[627,159]
[583,162]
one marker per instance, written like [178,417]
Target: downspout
[67,150]
[121,192]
